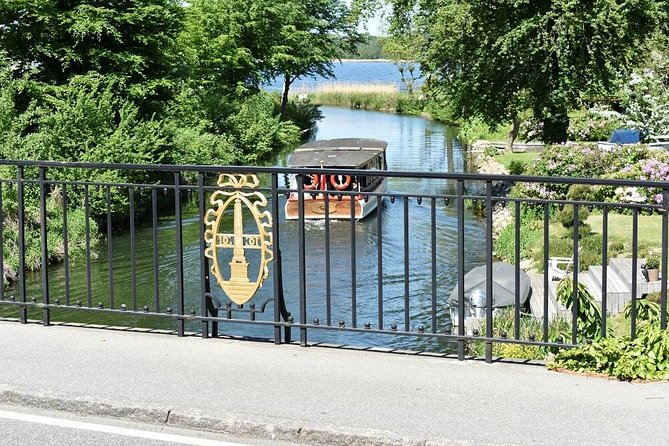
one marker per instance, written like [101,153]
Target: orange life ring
[314,181]
[334,180]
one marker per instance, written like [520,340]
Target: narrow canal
[414,144]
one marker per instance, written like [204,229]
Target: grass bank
[506,159]
[367,96]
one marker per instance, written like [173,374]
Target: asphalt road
[326,396]
[21,426]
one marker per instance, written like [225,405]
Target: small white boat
[344,153]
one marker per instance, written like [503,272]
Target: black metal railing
[381,282]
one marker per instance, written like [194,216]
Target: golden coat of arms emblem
[231,247]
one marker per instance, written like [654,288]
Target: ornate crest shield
[232,247]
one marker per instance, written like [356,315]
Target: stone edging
[225,423]
[501,216]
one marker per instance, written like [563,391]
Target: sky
[376,25]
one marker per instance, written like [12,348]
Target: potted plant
[653,268]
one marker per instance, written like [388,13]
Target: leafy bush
[645,357]
[517,167]
[566,216]
[490,151]
[646,310]
[589,316]
[302,113]
[504,322]
[530,236]
[255,131]
[595,125]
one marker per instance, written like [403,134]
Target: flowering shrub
[630,195]
[647,105]
[530,129]
[635,162]
[596,125]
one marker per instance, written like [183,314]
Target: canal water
[415,144]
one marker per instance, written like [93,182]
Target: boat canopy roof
[342,152]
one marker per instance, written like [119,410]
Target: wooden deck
[315,209]
[618,287]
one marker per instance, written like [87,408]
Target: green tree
[130,40]
[311,36]
[495,59]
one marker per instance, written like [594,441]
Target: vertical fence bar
[204,262]
[379,260]
[156,258]
[179,253]
[576,297]
[66,247]
[302,262]
[328,263]
[665,235]
[23,311]
[516,255]
[406,263]
[488,271]
[635,259]
[354,270]
[133,250]
[87,211]
[110,248]
[461,269]
[2,247]
[546,272]
[43,242]
[433,241]
[605,266]
[516,315]
[276,271]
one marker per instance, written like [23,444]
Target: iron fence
[354,282]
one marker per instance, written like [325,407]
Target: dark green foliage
[410,105]
[303,114]
[255,131]
[131,41]
[369,48]
[530,236]
[589,317]
[646,310]
[517,167]
[497,61]
[646,357]
[566,216]
[504,321]
[130,81]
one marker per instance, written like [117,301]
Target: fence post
[43,242]
[179,253]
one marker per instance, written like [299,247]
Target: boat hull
[339,206]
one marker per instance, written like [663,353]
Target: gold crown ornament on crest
[240,288]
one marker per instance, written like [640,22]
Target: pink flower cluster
[655,170]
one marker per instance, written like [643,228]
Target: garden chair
[555,269]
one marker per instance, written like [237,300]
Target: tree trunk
[284,96]
[513,134]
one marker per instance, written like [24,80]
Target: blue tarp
[625,136]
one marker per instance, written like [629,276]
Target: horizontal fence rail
[127,245]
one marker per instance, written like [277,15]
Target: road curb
[231,424]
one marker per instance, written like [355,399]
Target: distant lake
[353,72]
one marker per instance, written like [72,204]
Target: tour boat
[338,192]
